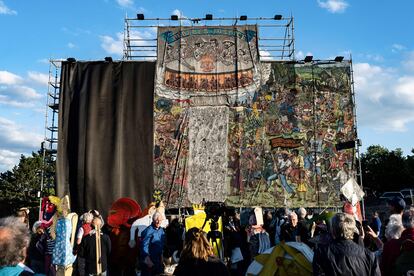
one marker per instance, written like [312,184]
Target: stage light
[108,59]
[345,145]
[308,58]
[339,59]
[209,17]
[71,59]
[243,17]
[140,16]
[174,17]
[278,17]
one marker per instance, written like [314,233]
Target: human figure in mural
[342,176]
[234,165]
[297,166]
[282,168]
[301,188]
[287,108]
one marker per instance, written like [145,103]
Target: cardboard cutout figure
[65,228]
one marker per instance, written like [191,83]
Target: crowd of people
[341,244]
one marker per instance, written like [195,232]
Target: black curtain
[105,133]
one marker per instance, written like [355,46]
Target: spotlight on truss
[140,16]
[278,17]
[308,59]
[243,17]
[339,59]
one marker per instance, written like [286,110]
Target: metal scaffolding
[52,108]
[276,39]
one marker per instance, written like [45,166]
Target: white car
[391,195]
[407,192]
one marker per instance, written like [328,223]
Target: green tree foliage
[385,170]
[19,186]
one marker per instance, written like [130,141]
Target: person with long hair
[197,257]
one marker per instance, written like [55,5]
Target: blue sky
[378,34]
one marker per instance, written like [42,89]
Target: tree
[385,170]
[20,186]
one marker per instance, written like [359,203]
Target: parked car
[390,195]
[406,192]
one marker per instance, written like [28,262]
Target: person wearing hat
[37,248]
[88,250]
[396,205]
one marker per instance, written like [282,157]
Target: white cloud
[334,6]
[9,78]
[113,46]
[8,159]
[20,91]
[5,100]
[385,99]
[14,141]
[71,45]
[6,10]
[38,77]
[14,137]
[397,47]
[404,88]
[16,91]
[265,55]
[374,57]
[408,62]
[301,55]
[26,92]
[178,13]
[129,4]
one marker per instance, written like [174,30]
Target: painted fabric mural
[228,128]
[201,72]
[282,148]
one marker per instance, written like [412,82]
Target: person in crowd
[343,256]
[269,225]
[404,264]
[289,230]
[174,234]
[281,219]
[197,257]
[14,241]
[302,234]
[390,250]
[153,239]
[83,231]
[375,223]
[396,205]
[257,237]
[36,251]
[86,227]
[23,215]
[87,249]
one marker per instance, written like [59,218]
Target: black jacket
[87,251]
[344,257]
[213,267]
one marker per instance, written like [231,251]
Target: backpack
[405,262]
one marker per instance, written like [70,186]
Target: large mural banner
[229,128]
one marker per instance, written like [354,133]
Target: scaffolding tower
[276,39]
[52,108]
